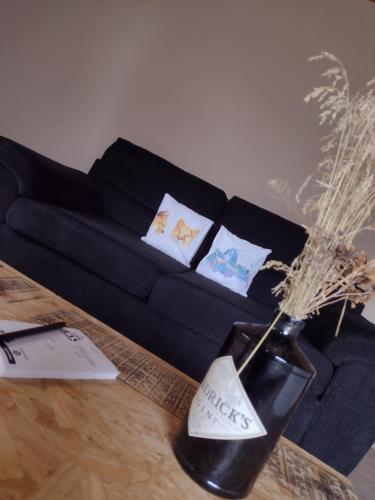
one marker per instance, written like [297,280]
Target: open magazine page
[65,354]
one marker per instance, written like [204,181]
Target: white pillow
[177,230]
[232,262]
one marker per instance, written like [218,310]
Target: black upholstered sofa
[80,235]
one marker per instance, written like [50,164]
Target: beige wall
[215,86]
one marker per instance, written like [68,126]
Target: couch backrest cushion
[267,230]
[257,225]
[135,180]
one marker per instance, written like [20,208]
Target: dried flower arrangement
[330,268]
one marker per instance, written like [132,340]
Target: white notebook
[60,354]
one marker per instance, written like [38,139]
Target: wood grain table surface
[111,440]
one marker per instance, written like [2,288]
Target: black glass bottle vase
[275,380]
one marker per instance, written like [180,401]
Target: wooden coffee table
[102,440]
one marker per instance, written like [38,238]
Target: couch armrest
[343,427]
[355,342]
[24,172]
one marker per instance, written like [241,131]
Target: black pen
[31,331]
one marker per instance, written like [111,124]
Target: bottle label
[221,408]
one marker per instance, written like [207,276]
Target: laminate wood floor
[363,477]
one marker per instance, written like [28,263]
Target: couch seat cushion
[210,310]
[95,242]
[203,305]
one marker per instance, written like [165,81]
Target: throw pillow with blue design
[232,262]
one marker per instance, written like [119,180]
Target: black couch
[80,235]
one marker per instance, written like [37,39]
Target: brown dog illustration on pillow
[183,234]
[160,221]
